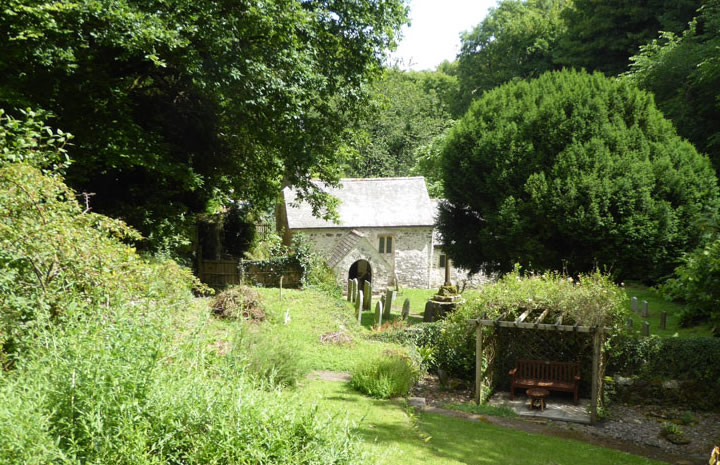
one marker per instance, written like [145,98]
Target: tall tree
[602,35]
[684,74]
[515,41]
[571,171]
[411,108]
[174,102]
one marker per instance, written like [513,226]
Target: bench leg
[512,392]
[576,396]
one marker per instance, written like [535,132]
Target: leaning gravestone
[378,313]
[349,290]
[406,309]
[359,304]
[367,298]
[634,304]
[429,315]
[389,298]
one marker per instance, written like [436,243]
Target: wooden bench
[553,376]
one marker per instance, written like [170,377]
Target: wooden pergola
[539,324]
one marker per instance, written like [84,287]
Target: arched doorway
[361,270]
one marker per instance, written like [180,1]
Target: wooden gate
[219,273]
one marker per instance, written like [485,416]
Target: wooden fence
[224,273]
[219,273]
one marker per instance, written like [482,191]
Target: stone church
[385,234]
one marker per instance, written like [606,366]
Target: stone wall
[409,261]
[458,276]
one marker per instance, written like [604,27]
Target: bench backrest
[547,371]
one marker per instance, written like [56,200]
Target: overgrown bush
[270,359]
[101,366]
[697,283]
[239,302]
[390,375]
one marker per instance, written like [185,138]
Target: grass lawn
[393,436]
[656,305]
[388,431]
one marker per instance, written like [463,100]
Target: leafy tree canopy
[571,171]
[175,102]
[515,41]
[602,35]
[411,108]
[684,74]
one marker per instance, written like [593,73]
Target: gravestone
[634,304]
[349,290]
[355,289]
[429,315]
[359,304]
[406,309]
[663,320]
[389,298]
[645,311]
[352,290]
[646,328]
[378,313]
[367,298]
[630,323]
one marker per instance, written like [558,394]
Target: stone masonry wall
[409,261]
[458,276]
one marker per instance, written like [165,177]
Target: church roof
[368,203]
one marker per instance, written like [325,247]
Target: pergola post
[478,362]
[596,381]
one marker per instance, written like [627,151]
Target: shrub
[390,375]
[570,170]
[697,282]
[239,302]
[269,358]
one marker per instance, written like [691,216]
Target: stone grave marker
[646,328]
[406,309]
[645,312]
[359,304]
[663,320]
[367,298]
[429,315]
[634,304]
[349,290]
[630,323]
[378,313]
[389,298]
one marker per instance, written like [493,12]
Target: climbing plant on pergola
[545,317]
[527,325]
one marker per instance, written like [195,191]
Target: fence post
[478,363]
[281,280]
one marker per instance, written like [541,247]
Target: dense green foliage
[389,376]
[591,299]
[684,74]
[101,361]
[696,282]
[410,112]
[602,35]
[174,102]
[516,40]
[572,171]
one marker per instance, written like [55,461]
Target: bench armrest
[512,372]
[577,378]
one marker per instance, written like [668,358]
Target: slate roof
[368,203]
